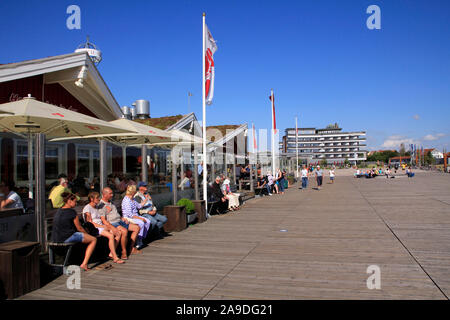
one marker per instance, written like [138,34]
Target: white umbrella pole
[234,168]
[144,170]
[102,164]
[124,159]
[30,166]
[40,190]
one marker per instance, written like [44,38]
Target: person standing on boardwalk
[280,181]
[319,177]
[332,175]
[304,175]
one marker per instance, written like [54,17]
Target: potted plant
[191,215]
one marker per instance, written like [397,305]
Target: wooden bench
[68,246]
[59,246]
[260,191]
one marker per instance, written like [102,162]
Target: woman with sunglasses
[67,227]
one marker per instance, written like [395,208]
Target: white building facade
[330,144]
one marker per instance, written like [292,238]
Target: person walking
[332,175]
[304,175]
[319,177]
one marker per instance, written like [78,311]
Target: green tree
[323,163]
[346,162]
[429,158]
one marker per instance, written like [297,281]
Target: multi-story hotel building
[329,144]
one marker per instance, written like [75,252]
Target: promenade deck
[401,225]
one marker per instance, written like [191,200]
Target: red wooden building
[53,80]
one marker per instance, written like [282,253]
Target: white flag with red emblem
[211,47]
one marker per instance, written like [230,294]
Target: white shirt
[17,201]
[331,173]
[304,173]
[95,215]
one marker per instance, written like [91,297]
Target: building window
[22,162]
[51,162]
[83,162]
[96,162]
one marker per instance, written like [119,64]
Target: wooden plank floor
[332,236]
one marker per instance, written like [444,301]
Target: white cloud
[430,137]
[396,141]
[416,116]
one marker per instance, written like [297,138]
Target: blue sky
[323,63]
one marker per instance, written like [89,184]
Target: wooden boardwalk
[332,236]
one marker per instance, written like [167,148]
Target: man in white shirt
[332,175]
[304,175]
[10,199]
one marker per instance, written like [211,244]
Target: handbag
[90,228]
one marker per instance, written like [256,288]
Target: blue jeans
[76,237]
[304,183]
[157,220]
[281,185]
[120,223]
[269,189]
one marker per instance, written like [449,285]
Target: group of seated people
[372,173]
[369,173]
[221,197]
[270,184]
[101,217]
[117,182]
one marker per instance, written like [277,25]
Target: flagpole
[255,151]
[273,136]
[189,101]
[296,146]
[205,166]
